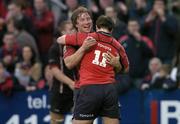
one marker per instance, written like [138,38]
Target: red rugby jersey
[93,67]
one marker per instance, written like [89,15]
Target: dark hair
[18,4]
[133,19]
[63,24]
[2,63]
[9,33]
[164,1]
[115,8]
[105,22]
[18,25]
[33,58]
[76,13]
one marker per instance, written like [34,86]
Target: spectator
[43,21]
[28,71]
[71,6]
[57,7]
[139,9]
[3,10]
[161,28]
[123,11]
[154,67]
[175,72]
[23,37]
[120,27]
[97,8]
[175,6]
[139,50]
[2,30]
[6,82]
[159,76]
[15,11]
[161,79]
[9,52]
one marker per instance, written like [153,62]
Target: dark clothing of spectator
[139,14]
[6,84]
[44,27]
[14,53]
[3,30]
[163,36]
[119,29]
[26,23]
[3,10]
[153,81]
[138,53]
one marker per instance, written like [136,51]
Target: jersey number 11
[96,59]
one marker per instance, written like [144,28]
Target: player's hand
[112,60]
[88,43]
[71,85]
[48,77]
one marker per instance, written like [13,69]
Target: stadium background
[143,99]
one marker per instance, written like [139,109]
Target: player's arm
[60,76]
[54,67]
[85,42]
[70,39]
[61,40]
[124,60]
[113,61]
[71,58]
[74,58]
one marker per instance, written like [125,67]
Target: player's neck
[103,30]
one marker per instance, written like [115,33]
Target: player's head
[104,22]
[66,27]
[81,20]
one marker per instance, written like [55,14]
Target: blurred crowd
[148,29]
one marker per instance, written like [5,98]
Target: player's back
[93,67]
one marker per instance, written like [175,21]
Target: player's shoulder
[93,34]
[117,44]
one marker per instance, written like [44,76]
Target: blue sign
[137,107]
[25,108]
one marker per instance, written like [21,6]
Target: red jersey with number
[93,66]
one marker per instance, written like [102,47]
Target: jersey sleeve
[68,50]
[123,58]
[76,39]
[71,39]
